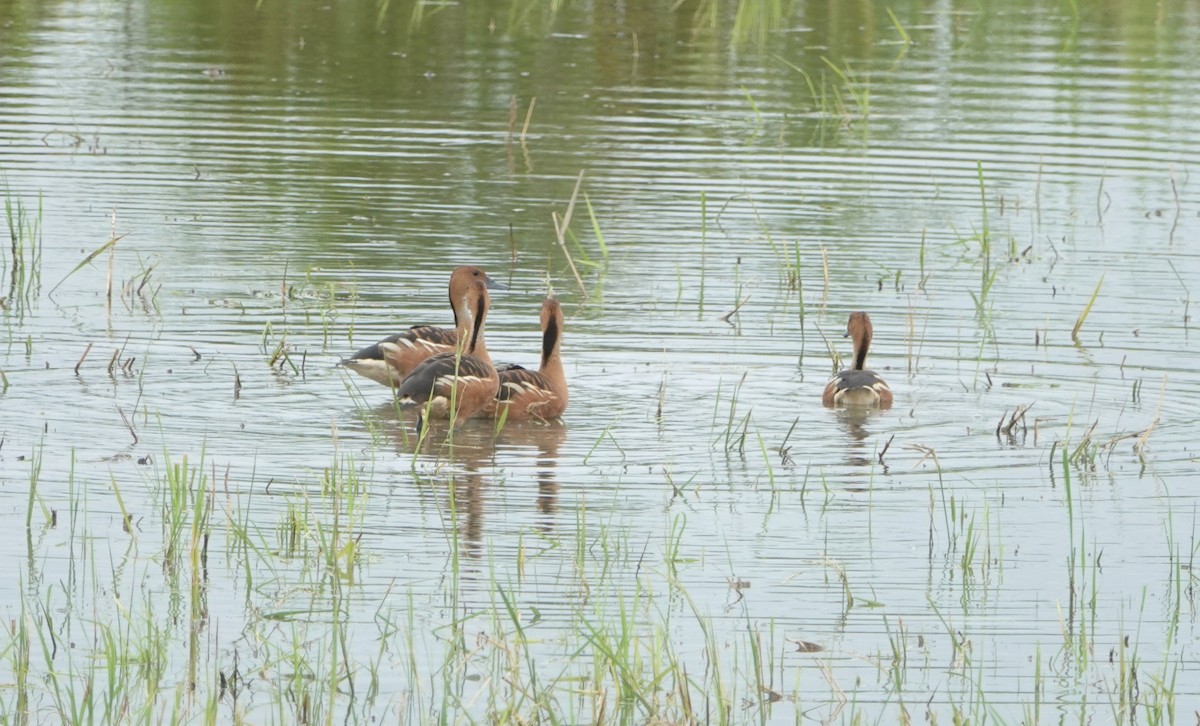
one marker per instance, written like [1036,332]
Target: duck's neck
[861,343]
[551,366]
[458,320]
[480,349]
[470,330]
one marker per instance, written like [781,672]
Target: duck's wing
[391,359]
[437,376]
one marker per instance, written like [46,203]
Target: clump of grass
[605,434]
[828,99]
[186,509]
[987,275]
[22,267]
[142,289]
[755,21]
[35,472]
[279,352]
[733,435]
[858,89]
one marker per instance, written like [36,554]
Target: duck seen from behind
[391,359]
[455,385]
[858,386]
[540,394]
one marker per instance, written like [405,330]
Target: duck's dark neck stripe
[860,351]
[480,312]
[549,341]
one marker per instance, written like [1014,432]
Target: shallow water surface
[210,518]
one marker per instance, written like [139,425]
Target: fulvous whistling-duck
[858,386]
[466,376]
[391,359]
[540,394]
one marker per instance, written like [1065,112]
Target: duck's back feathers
[857,388]
[526,394]
[405,351]
[517,380]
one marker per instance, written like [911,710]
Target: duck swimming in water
[456,385]
[540,394]
[858,386]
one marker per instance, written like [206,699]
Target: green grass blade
[1087,309]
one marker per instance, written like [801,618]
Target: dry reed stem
[1175,191]
[736,307]
[563,244]
[886,446]
[927,452]
[528,118]
[112,258]
[512,118]
[83,357]
[560,230]
[839,693]
[127,424]
[1018,417]
[825,273]
[662,397]
[1178,206]
[912,330]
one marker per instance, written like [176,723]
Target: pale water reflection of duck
[858,386]
[465,377]
[391,359]
[540,394]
